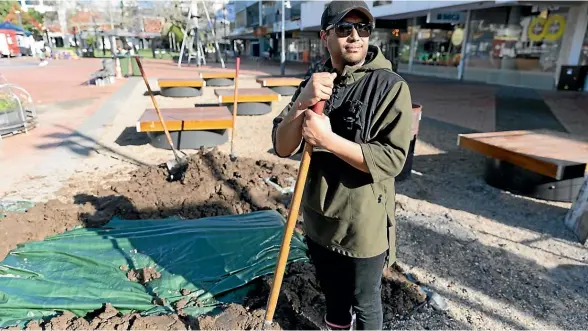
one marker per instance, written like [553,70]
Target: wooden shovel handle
[290,225]
[155,105]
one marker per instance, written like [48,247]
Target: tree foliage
[31,19]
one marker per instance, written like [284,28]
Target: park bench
[218,78]
[251,101]
[540,163]
[180,88]
[190,128]
[280,84]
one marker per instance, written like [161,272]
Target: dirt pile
[300,307]
[143,276]
[214,186]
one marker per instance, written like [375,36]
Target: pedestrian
[360,144]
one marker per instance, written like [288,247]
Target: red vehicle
[8,43]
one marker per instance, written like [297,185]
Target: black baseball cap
[336,10]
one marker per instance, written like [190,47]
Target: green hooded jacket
[344,209]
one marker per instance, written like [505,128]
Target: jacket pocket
[325,195]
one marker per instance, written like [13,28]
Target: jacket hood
[374,60]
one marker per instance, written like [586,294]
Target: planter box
[416,118]
[11,118]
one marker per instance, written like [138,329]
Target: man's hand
[316,129]
[319,87]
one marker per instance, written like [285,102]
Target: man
[360,143]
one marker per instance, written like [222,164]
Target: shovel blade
[176,169]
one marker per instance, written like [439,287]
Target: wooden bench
[180,88]
[218,78]
[540,163]
[252,101]
[280,84]
[190,128]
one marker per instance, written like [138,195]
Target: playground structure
[191,37]
[17,109]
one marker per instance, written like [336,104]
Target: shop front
[510,45]
[432,45]
[516,46]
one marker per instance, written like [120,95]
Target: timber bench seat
[540,163]
[218,78]
[251,101]
[280,84]
[190,128]
[178,87]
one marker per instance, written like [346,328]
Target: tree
[5,7]
[31,20]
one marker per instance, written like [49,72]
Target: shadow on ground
[550,295]
[454,179]
[155,93]
[82,145]
[130,137]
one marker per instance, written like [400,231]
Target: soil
[300,306]
[214,185]
[143,276]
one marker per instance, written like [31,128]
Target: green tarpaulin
[80,270]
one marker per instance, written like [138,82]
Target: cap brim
[342,15]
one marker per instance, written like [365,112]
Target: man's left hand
[316,129]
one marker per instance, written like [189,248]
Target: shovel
[177,167]
[290,225]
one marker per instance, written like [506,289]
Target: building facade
[501,42]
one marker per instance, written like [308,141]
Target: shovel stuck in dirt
[177,167]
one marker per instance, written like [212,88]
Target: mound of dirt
[300,307]
[214,186]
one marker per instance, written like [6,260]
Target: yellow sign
[550,29]
[457,37]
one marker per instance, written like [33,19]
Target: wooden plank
[185,119]
[542,151]
[217,74]
[279,81]
[263,94]
[180,82]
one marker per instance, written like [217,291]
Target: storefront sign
[260,31]
[457,37]
[446,17]
[550,29]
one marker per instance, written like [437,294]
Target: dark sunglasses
[345,29]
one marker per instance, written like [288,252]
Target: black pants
[350,284]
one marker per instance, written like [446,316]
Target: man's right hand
[289,131]
[319,87]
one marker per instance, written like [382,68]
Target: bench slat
[542,151]
[279,81]
[185,119]
[247,95]
[216,74]
[180,83]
